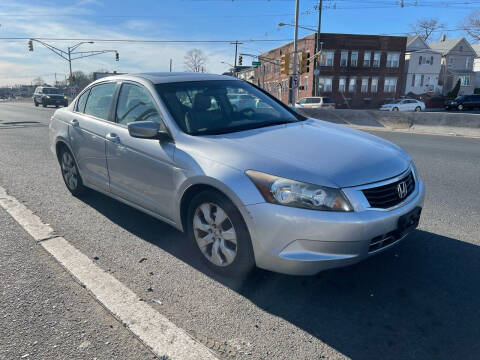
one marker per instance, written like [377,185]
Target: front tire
[218,231]
[460,107]
[418,109]
[70,173]
[36,104]
[395,109]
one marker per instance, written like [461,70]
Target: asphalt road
[417,301]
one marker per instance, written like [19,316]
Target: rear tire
[36,104]
[70,173]
[221,236]
[418,109]
[460,107]
[44,105]
[395,109]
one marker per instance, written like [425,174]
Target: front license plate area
[409,221]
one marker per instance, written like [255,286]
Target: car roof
[169,77]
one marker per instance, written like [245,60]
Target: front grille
[387,196]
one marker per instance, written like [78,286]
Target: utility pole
[170,65]
[295,50]
[236,49]
[317,49]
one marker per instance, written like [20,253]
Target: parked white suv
[316,102]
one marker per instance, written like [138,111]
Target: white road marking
[152,328]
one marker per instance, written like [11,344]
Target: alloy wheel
[215,234]
[69,171]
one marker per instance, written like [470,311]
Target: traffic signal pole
[317,49]
[70,54]
[295,50]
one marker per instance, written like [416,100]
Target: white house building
[457,64]
[476,65]
[422,67]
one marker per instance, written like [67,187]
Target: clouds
[81,19]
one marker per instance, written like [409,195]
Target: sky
[189,20]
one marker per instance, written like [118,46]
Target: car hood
[312,151]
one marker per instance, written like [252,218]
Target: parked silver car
[260,186]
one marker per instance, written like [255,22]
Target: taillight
[51,119]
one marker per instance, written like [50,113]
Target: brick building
[358,71]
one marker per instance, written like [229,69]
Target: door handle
[113,138]
[75,123]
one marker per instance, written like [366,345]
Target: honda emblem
[402,189]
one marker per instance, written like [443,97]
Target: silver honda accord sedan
[251,186]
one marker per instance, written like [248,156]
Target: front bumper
[55,101]
[304,242]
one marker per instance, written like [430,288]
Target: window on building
[464,80]
[420,60]
[413,79]
[354,59]
[450,62]
[306,83]
[325,84]
[352,84]
[468,62]
[364,87]
[374,85]
[366,59]
[417,80]
[342,83]
[393,60]
[344,59]
[431,60]
[376,59]
[422,79]
[390,85]
[327,58]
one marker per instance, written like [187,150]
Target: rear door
[88,126]
[140,170]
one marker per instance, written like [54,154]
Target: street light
[226,63]
[300,26]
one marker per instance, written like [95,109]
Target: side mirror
[147,130]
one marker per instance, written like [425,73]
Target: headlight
[65,97]
[281,191]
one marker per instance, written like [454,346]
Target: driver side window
[136,104]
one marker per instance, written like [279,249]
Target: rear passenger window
[81,101]
[99,100]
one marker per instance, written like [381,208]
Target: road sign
[256,63]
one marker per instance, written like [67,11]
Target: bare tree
[425,27]
[471,26]
[38,81]
[195,60]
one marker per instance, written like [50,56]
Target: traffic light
[30,45]
[285,64]
[308,62]
[117,56]
[240,60]
[303,63]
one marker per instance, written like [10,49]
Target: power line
[141,41]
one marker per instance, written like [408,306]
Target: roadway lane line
[163,337]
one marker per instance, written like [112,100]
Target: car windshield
[52,91]
[221,106]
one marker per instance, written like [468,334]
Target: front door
[140,170]
[87,130]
